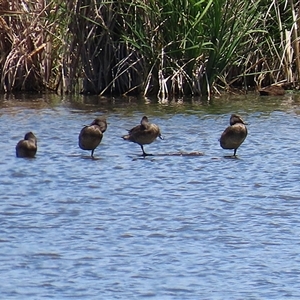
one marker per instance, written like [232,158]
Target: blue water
[162,227]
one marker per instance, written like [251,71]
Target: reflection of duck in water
[235,134]
[143,134]
[90,136]
[272,90]
[27,147]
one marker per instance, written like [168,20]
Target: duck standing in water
[27,147]
[90,136]
[143,134]
[235,134]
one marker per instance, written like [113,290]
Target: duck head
[236,119]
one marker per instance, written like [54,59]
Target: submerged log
[196,153]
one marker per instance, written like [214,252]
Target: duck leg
[144,153]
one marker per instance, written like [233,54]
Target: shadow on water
[128,106]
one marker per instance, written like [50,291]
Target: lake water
[121,226]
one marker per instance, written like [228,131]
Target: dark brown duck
[28,146]
[143,134]
[235,134]
[90,136]
[272,90]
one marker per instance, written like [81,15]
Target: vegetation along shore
[146,47]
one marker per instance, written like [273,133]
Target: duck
[91,135]
[28,146]
[143,134]
[235,134]
[272,90]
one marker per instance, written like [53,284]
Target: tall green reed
[188,44]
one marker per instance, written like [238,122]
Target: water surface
[162,227]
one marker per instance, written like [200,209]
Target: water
[161,227]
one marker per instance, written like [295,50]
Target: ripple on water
[165,227]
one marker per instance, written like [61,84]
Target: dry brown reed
[23,45]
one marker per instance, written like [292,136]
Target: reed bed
[23,46]
[166,48]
